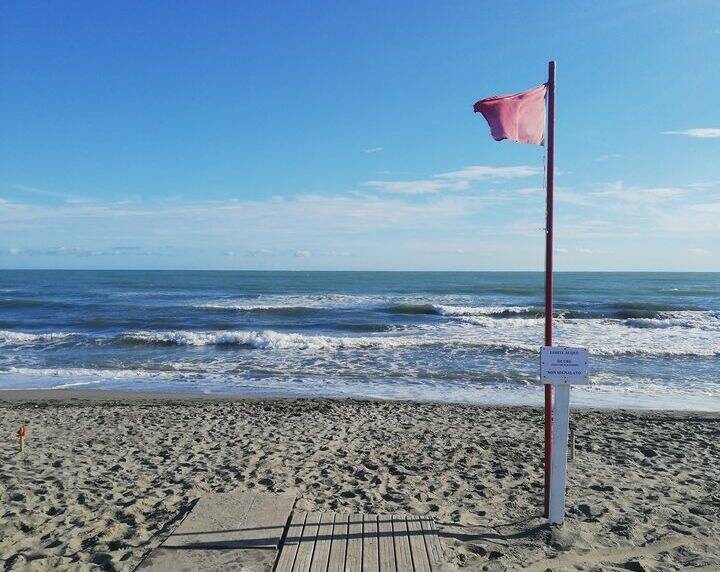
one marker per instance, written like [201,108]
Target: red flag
[519,117]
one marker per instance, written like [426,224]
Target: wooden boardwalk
[260,532]
[330,542]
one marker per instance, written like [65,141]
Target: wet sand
[106,476]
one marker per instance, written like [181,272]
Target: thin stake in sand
[22,434]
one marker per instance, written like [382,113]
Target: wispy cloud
[363,229]
[583,250]
[698,132]
[703,185]
[418,187]
[607,157]
[84,252]
[526,191]
[460,180]
[371,150]
[706,208]
[647,195]
[25,189]
[484,172]
[700,251]
[353,230]
[230,222]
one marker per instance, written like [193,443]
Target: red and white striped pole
[549,185]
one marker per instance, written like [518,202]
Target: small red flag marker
[22,433]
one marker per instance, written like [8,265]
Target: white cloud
[706,208]
[607,157]
[700,251]
[420,187]
[698,132]
[484,172]
[43,192]
[525,191]
[572,198]
[645,195]
[382,231]
[75,251]
[703,185]
[460,180]
[326,232]
[594,251]
[260,252]
[370,150]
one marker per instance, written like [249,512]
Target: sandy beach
[106,476]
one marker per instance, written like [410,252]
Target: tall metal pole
[549,267]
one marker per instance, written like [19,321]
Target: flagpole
[549,267]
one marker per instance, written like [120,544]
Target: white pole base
[558,459]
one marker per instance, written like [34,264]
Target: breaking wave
[269,339]
[708,321]
[481,330]
[270,310]
[8,338]
[447,310]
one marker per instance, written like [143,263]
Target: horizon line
[353,270]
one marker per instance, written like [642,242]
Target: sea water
[654,338]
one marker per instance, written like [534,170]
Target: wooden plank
[307,543]
[402,544]
[339,544]
[353,556]
[432,541]
[420,559]
[289,547]
[370,558]
[234,520]
[321,556]
[386,547]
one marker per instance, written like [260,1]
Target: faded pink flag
[519,117]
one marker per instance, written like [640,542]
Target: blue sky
[340,135]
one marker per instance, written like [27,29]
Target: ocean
[654,338]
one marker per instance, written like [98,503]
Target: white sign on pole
[561,367]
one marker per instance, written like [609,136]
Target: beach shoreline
[156,394]
[106,475]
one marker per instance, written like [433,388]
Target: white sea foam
[606,390]
[272,340]
[8,338]
[446,310]
[291,301]
[510,325]
[87,371]
[603,337]
[684,319]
